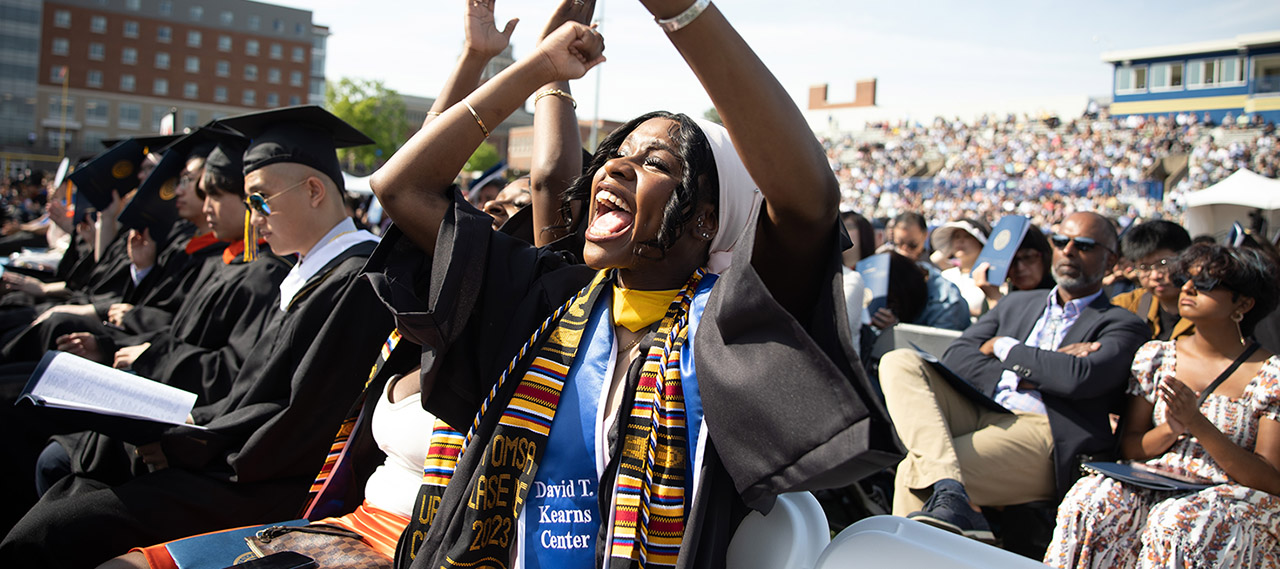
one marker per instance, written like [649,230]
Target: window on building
[98,24]
[273,100]
[166,8]
[97,51]
[62,19]
[97,112]
[197,13]
[130,115]
[223,69]
[94,138]
[1220,72]
[220,94]
[251,47]
[133,5]
[93,78]
[129,56]
[157,116]
[164,34]
[128,83]
[227,18]
[277,51]
[160,87]
[162,60]
[294,100]
[277,26]
[250,72]
[61,46]
[57,73]
[1166,76]
[299,55]
[224,43]
[299,29]
[273,76]
[59,139]
[190,118]
[254,22]
[317,88]
[193,64]
[130,29]
[295,78]
[1131,79]
[249,97]
[193,38]
[190,90]
[57,104]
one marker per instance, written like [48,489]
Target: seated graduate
[1152,247]
[261,443]
[1177,420]
[572,374]
[1044,370]
[160,280]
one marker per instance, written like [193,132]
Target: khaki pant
[1001,458]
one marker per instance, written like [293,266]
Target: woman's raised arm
[413,185]
[779,150]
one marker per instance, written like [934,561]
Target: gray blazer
[1078,393]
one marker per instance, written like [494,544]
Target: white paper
[73,382]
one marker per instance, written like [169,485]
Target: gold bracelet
[475,115]
[434,113]
[558,93]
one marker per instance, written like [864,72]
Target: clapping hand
[569,11]
[483,37]
[1182,412]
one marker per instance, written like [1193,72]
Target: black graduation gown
[786,410]
[159,295]
[204,347]
[265,442]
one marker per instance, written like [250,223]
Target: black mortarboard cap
[116,168]
[227,161]
[307,135]
[152,207]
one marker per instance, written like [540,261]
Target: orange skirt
[379,528]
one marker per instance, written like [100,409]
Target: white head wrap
[739,195]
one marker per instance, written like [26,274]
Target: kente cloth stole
[648,524]
[349,423]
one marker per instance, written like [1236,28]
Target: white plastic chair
[891,541]
[792,536]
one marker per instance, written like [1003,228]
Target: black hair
[912,218]
[1146,238]
[1036,241]
[220,184]
[700,183]
[908,291]
[1242,270]
[862,228]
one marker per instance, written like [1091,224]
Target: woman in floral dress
[1231,441]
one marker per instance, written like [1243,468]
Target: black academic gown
[157,297]
[264,443]
[785,408]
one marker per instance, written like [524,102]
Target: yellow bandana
[637,309]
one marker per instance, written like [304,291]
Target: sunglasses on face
[1083,244]
[258,202]
[1202,282]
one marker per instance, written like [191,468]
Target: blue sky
[918,50]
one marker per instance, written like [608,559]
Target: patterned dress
[1106,523]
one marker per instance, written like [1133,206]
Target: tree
[482,159]
[713,115]
[373,109]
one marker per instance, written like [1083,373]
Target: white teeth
[605,196]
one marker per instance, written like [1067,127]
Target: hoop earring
[1237,317]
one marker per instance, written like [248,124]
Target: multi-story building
[113,68]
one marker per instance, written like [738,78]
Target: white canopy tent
[1211,211]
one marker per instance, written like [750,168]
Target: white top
[964,281]
[339,239]
[401,430]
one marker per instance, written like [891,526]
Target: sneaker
[948,509]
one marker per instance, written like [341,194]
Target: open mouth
[613,216]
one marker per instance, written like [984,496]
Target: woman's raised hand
[1181,411]
[482,34]
[568,11]
[571,51]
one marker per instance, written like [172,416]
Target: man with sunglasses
[1041,373]
[257,449]
[1153,246]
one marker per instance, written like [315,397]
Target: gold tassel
[250,237]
